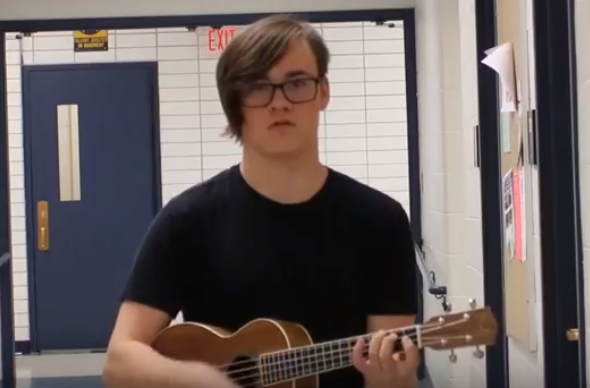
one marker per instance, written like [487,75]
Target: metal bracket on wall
[532,137]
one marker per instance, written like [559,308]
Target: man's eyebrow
[289,75]
[297,73]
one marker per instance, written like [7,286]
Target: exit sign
[219,38]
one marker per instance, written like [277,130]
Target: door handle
[573,335]
[43,225]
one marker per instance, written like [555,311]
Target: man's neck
[289,180]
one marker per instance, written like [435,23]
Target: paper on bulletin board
[501,60]
[513,204]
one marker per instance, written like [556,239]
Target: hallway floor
[60,371]
[70,371]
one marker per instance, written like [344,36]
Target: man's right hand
[132,363]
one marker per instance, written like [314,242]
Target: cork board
[516,272]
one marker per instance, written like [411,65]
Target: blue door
[92,189]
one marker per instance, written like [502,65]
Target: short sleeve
[158,276]
[390,282]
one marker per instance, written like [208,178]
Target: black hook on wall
[439,292]
[436,290]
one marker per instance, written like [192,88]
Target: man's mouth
[282,123]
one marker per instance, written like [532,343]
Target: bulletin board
[517,276]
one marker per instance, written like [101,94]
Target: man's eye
[299,82]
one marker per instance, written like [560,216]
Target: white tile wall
[363,133]
[447,106]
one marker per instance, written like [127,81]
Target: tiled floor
[62,382]
[60,371]
[70,371]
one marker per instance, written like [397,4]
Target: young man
[278,236]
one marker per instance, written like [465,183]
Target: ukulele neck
[295,363]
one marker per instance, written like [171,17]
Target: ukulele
[273,353]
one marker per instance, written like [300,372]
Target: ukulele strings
[256,375]
[398,330]
[425,329]
[332,352]
[336,352]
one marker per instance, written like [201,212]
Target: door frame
[559,193]
[407,15]
[488,152]
[27,71]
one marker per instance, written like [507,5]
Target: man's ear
[324,93]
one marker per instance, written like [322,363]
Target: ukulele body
[218,347]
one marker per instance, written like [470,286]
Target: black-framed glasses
[296,91]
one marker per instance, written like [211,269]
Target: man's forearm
[135,365]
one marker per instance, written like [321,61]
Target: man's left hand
[383,368]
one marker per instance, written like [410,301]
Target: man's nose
[280,101]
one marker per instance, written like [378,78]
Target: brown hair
[253,52]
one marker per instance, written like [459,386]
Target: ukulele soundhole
[245,372]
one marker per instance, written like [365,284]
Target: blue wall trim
[7,324]
[413,131]
[491,200]
[6,298]
[26,347]
[414,158]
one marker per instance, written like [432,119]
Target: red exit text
[220,38]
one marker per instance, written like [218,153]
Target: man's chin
[285,151]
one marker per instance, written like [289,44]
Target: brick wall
[363,133]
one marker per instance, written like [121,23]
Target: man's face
[282,112]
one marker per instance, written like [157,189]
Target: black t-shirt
[223,254]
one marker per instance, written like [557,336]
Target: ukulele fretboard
[315,359]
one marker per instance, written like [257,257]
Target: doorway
[552,152]
[92,159]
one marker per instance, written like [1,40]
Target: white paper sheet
[501,60]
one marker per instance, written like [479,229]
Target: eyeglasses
[296,91]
